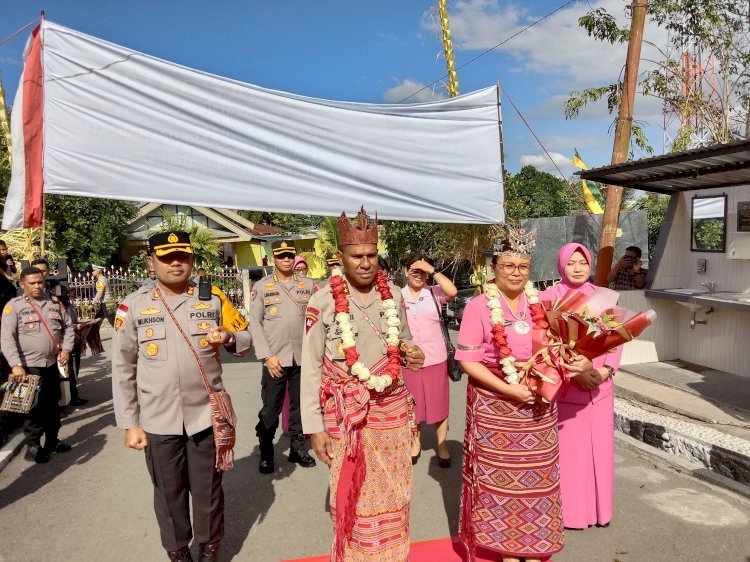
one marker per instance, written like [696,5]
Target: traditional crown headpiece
[517,243]
[363,231]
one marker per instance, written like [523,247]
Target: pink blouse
[424,322]
[475,336]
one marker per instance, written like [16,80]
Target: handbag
[223,418]
[454,369]
[20,398]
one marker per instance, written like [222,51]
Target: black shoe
[60,447]
[209,552]
[181,555]
[265,466]
[36,454]
[415,458]
[444,463]
[78,402]
[301,458]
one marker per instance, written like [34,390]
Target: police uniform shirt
[25,340]
[156,383]
[277,317]
[322,338]
[103,293]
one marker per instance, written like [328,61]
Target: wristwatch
[610,370]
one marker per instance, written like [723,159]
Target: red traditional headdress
[363,231]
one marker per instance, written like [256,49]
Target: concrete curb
[681,465]
[11,449]
[708,451]
[628,394]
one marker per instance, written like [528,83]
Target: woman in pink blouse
[510,496]
[586,416]
[429,385]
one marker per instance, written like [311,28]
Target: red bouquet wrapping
[589,325]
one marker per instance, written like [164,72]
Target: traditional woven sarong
[377,425]
[510,500]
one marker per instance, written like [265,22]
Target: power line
[480,55]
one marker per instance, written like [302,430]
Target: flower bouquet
[592,325]
[589,325]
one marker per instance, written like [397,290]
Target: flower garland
[507,361]
[374,382]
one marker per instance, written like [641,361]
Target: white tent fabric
[124,125]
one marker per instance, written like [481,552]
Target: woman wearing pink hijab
[586,415]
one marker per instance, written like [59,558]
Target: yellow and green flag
[591,192]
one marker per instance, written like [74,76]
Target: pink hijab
[298,260]
[563,256]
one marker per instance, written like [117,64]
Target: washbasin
[685,291]
[728,296]
[692,306]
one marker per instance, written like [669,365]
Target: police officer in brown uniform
[36,334]
[277,323]
[162,333]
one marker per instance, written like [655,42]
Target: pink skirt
[430,388]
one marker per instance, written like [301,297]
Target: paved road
[94,503]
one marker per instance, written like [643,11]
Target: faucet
[710,285]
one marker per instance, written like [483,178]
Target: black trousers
[44,418]
[182,466]
[272,391]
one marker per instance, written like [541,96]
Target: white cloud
[557,47]
[407,87]
[542,162]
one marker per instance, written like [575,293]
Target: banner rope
[12,35]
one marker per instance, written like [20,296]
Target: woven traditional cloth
[381,523]
[510,500]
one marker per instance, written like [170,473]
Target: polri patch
[7,310]
[311,317]
[120,314]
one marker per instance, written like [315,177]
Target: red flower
[351,355]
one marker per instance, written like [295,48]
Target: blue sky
[375,52]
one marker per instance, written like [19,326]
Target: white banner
[124,125]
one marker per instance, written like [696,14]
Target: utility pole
[611,217]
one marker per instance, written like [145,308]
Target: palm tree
[326,243]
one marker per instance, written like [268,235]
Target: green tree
[532,193]
[714,28]
[87,230]
[204,243]
[655,206]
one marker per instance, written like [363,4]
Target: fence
[122,282]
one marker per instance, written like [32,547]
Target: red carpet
[437,550]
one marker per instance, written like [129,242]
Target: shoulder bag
[223,418]
[454,370]
[20,398]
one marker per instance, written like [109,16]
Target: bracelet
[610,370]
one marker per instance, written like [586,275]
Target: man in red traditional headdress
[354,402]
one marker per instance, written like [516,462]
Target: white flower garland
[496,317]
[374,382]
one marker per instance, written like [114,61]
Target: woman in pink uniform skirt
[586,416]
[430,385]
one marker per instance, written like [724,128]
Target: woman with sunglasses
[300,266]
[510,498]
[430,385]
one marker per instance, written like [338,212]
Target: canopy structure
[718,166]
[99,120]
